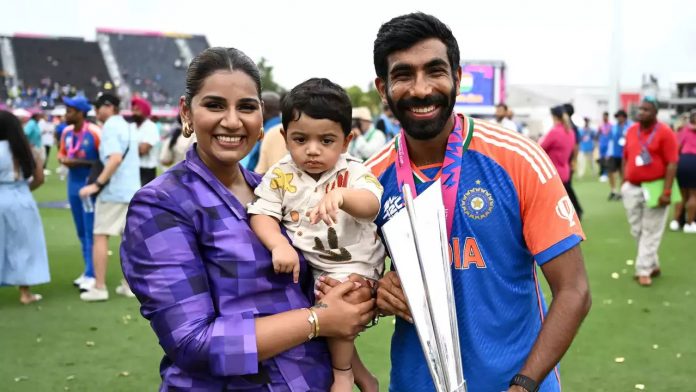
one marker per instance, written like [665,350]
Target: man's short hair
[405,31]
[502,105]
[318,98]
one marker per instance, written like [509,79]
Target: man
[587,146]
[509,213]
[387,123]
[367,139]
[48,132]
[501,117]
[603,137]
[116,185]
[79,149]
[617,140]
[272,146]
[650,158]
[149,137]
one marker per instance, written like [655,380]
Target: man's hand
[286,260]
[328,207]
[88,190]
[390,297]
[664,200]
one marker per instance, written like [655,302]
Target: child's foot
[343,380]
[368,384]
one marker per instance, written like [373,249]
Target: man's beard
[138,119]
[423,129]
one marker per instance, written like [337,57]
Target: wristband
[99,184]
[525,382]
[667,192]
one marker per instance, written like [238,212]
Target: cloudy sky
[557,42]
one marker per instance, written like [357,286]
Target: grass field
[64,344]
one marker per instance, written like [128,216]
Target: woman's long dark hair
[12,131]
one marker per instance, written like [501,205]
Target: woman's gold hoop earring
[261,133]
[187,131]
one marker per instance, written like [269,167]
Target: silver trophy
[417,241]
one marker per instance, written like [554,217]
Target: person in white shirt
[501,113]
[367,139]
[149,137]
[48,138]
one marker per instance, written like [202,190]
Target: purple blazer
[202,276]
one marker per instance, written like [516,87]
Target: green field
[64,344]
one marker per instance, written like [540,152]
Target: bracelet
[312,320]
[316,322]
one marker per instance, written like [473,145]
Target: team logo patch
[477,202]
[565,210]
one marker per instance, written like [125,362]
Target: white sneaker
[47,172]
[87,283]
[690,228]
[603,178]
[94,294]
[124,290]
[77,282]
[674,225]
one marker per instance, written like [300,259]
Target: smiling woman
[203,278]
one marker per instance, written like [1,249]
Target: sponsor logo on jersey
[565,210]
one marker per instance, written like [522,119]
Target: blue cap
[78,102]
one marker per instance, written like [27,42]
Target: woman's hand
[286,260]
[328,207]
[338,317]
[358,295]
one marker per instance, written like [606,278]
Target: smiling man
[507,214]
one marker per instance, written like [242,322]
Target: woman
[559,144]
[686,177]
[23,258]
[225,320]
[174,151]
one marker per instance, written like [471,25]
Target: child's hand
[328,207]
[286,260]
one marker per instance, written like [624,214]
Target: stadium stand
[152,64]
[50,67]
[3,86]
[198,43]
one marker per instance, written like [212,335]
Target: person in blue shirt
[79,149]
[617,140]
[115,186]
[33,132]
[588,135]
[510,216]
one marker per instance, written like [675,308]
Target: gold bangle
[316,322]
[312,324]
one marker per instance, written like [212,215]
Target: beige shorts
[109,218]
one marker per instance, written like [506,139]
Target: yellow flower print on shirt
[283,181]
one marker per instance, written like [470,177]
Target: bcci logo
[391,207]
[477,203]
[565,210]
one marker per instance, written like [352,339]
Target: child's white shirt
[351,245]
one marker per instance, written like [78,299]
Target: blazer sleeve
[166,271]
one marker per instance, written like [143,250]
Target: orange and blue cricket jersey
[512,214]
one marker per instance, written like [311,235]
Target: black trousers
[147,174]
[573,198]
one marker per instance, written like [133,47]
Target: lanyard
[451,166]
[650,137]
[75,147]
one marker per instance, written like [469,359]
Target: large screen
[477,86]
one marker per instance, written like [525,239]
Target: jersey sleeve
[269,194]
[550,224]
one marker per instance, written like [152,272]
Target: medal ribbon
[451,166]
